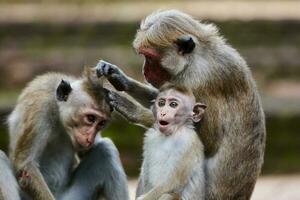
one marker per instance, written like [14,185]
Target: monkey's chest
[56,165]
[161,156]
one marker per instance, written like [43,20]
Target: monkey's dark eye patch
[173,104]
[102,123]
[91,118]
[161,103]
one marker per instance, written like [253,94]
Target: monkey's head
[168,40]
[83,110]
[175,107]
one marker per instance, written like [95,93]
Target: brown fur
[233,129]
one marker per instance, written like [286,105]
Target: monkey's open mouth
[163,123]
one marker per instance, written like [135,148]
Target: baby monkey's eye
[91,118]
[161,103]
[173,104]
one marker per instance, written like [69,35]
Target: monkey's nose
[89,143]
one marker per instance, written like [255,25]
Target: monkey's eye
[173,104]
[91,118]
[161,103]
[102,124]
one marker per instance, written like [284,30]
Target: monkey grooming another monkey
[173,153]
[56,118]
[184,51]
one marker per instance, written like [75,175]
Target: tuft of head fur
[94,87]
[176,87]
[163,27]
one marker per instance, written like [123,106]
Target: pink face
[154,73]
[174,109]
[89,123]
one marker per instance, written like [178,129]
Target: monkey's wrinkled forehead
[185,98]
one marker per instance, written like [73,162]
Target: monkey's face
[161,65]
[174,109]
[166,45]
[87,122]
[80,114]
[154,72]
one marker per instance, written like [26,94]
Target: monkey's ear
[198,111]
[63,90]
[185,44]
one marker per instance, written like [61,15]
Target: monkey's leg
[232,173]
[9,189]
[195,187]
[131,110]
[99,173]
[144,94]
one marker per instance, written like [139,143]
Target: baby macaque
[173,152]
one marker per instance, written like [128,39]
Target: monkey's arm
[28,149]
[130,109]
[143,93]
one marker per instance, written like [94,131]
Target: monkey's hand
[24,179]
[114,75]
[130,109]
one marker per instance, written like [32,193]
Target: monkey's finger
[100,68]
[109,69]
[112,99]
[107,99]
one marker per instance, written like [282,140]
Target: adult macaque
[173,153]
[184,51]
[56,118]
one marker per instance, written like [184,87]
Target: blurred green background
[41,36]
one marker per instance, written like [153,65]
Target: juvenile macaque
[56,118]
[173,153]
[184,51]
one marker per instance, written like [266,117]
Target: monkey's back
[36,98]
[36,112]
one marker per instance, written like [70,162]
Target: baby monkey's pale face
[174,109]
